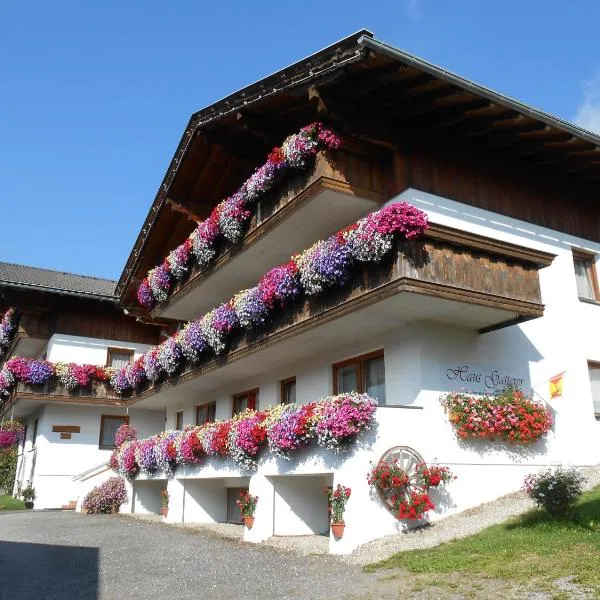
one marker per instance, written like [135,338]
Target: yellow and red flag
[556,386]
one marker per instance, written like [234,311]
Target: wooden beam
[175,207]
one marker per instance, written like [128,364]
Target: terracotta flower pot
[115,509]
[249,521]
[164,511]
[338,530]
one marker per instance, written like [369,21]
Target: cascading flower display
[251,309]
[508,415]
[11,434]
[37,372]
[215,440]
[152,366]
[280,285]
[324,265]
[191,449]
[281,429]
[169,356]
[192,342]
[295,428]
[247,436]
[406,493]
[178,260]
[8,326]
[342,419]
[125,433]
[217,324]
[230,217]
[166,451]
[146,456]
[160,281]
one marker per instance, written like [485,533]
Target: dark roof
[404,88]
[22,276]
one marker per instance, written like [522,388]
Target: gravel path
[53,555]
[457,526]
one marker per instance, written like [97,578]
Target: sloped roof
[12,275]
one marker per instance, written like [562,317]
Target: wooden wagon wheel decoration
[407,459]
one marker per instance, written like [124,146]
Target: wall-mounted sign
[66,429]
[493,379]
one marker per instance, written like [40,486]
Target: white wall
[58,461]
[300,504]
[86,350]
[424,360]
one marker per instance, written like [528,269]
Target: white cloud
[588,112]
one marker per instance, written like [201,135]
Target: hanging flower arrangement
[507,415]
[8,325]
[229,219]
[406,493]
[125,433]
[11,434]
[281,429]
[37,372]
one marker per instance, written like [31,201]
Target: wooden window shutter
[252,400]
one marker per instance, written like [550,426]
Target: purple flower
[169,356]
[145,296]
[233,216]
[250,308]
[324,264]
[152,366]
[120,382]
[192,342]
[280,285]
[160,281]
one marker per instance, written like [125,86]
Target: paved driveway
[52,555]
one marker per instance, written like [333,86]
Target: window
[245,400]
[108,428]
[594,369]
[288,391]
[119,357]
[586,276]
[206,413]
[179,420]
[363,374]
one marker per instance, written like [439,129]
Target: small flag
[556,386]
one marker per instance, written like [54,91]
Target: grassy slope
[530,549]
[7,502]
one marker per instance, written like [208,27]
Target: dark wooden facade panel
[500,186]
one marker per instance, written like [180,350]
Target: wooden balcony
[449,277]
[341,187]
[52,391]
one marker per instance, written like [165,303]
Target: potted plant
[337,504]
[28,495]
[164,502]
[247,506]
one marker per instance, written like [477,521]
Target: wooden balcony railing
[446,264]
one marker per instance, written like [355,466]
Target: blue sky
[95,96]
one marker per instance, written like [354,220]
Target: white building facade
[502,290]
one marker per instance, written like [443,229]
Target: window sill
[589,301]
[107,447]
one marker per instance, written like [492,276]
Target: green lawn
[7,502]
[532,550]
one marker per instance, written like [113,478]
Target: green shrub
[555,489]
[8,468]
